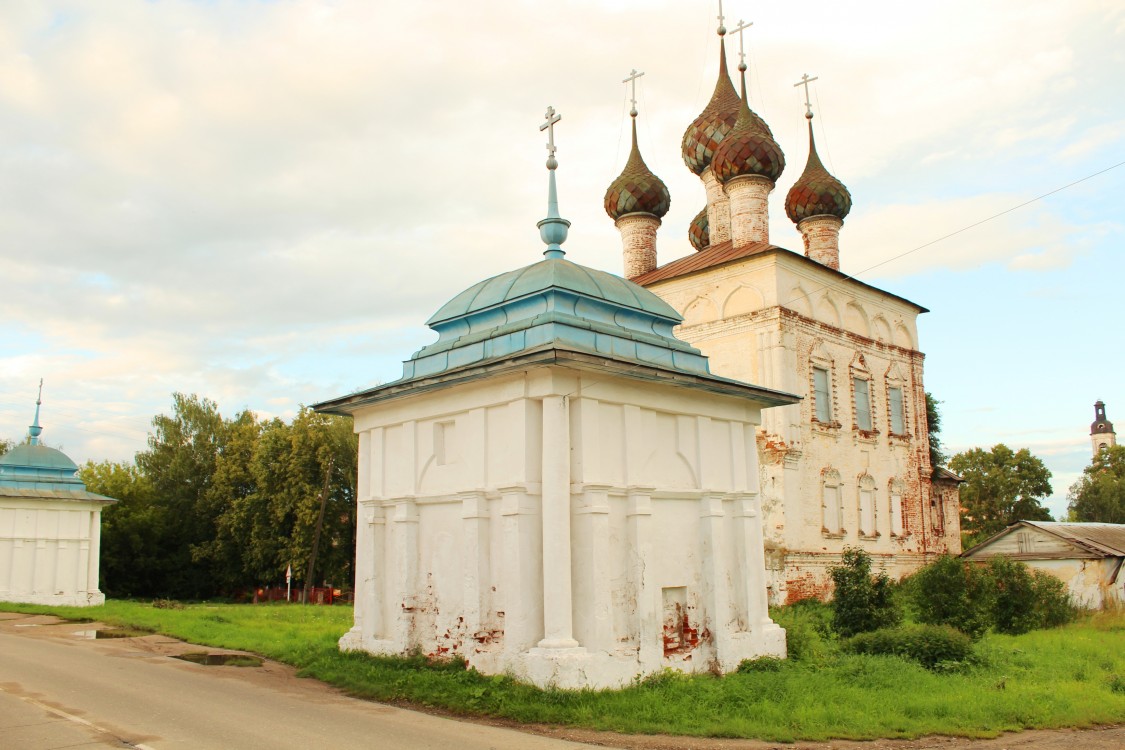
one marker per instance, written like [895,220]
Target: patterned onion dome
[699,231]
[749,149]
[637,189]
[817,193]
[716,120]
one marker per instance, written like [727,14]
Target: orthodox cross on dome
[742,26]
[554,228]
[35,430]
[722,18]
[549,126]
[632,81]
[805,81]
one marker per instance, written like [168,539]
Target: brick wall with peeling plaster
[775,345]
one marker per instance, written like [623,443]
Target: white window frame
[862,410]
[822,405]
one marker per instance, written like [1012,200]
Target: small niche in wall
[680,636]
[445,437]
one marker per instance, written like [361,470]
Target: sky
[262,202]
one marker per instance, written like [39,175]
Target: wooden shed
[1087,557]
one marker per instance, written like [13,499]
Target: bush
[808,629]
[861,603]
[1014,609]
[932,646]
[1052,601]
[761,664]
[952,592]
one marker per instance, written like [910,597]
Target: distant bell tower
[1101,431]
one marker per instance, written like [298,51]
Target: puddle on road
[110,633]
[220,660]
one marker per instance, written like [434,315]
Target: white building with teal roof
[559,489]
[50,527]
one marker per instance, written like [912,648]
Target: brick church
[849,465]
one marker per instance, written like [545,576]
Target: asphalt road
[59,689]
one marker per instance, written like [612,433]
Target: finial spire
[742,26]
[632,81]
[805,81]
[553,229]
[35,430]
[722,18]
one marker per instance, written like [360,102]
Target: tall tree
[232,484]
[134,530]
[1099,494]
[933,422]
[1001,487]
[5,446]
[180,463]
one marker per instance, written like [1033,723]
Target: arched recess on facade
[855,319]
[827,311]
[744,299]
[881,329]
[700,310]
[798,301]
[903,337]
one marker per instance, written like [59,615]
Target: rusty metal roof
[1107,539]
[715,255]
[726,252]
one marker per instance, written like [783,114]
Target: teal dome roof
[557,273]
[37,457]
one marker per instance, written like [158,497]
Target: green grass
[1069,677]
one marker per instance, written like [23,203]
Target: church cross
[805,81]
[632,81]
[722,18]
[549,126]
[39,400]
[742,26]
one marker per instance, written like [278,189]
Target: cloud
[260,201]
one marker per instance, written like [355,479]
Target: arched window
[867,513]
[832,516]
[894,492]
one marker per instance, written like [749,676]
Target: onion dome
[699,231]
[716,120]
[749,149]
[816,192]
[637,189]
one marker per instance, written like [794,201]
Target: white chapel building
[560,489]
[50,527]
[847,466]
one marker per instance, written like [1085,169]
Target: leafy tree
[5,446]
[933,422]
[180,463]
[134,530]
[1099,495]
[232,483]
[1001,487]
[861,602]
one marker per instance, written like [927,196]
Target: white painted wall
[49,551]
[548,523]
